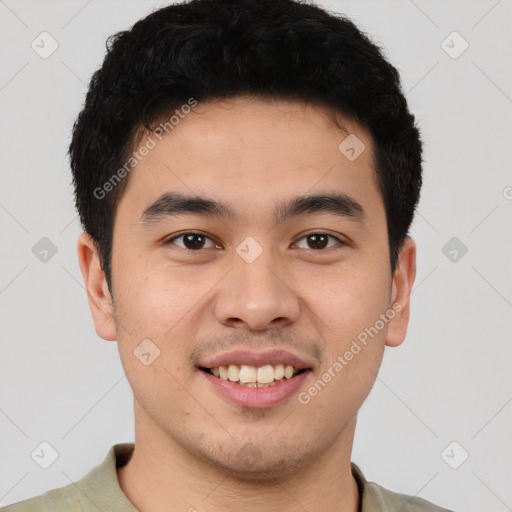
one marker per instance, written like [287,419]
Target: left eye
[319,240]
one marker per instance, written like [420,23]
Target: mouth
[264,376]
[255,380]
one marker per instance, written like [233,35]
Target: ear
[98,294]
[401,288]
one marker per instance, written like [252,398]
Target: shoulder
[98,490]
[389,500]
[376,498]
[63,499]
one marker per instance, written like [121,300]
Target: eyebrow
[172,204]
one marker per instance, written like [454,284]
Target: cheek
[354,346]
[152,328]
[349,301]
[157,304]
[350,309]
[154,297]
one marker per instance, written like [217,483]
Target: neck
[161,472]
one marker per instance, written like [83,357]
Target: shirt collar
[100,490]
[372,497]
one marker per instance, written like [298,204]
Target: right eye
[192,241]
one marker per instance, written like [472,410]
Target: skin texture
[250,154]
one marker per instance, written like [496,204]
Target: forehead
[247,150]
[248,121]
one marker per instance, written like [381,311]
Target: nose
[257,296]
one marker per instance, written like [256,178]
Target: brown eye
[318,241]
[191,241]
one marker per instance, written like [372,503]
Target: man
[246,172]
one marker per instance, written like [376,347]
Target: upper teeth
[247,374]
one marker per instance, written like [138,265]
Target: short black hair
[217,49]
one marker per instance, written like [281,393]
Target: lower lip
[257,398]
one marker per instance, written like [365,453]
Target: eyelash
[170,241]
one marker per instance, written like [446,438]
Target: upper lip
[257,359]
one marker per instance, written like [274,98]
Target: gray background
[450,380]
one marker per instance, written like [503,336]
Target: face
[257,275]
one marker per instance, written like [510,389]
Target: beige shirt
[99,490]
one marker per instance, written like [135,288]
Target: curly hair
[215,49]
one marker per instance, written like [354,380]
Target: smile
[252,376]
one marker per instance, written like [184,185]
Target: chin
[257,461]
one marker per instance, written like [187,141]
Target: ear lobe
[403,280]
[98,294]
